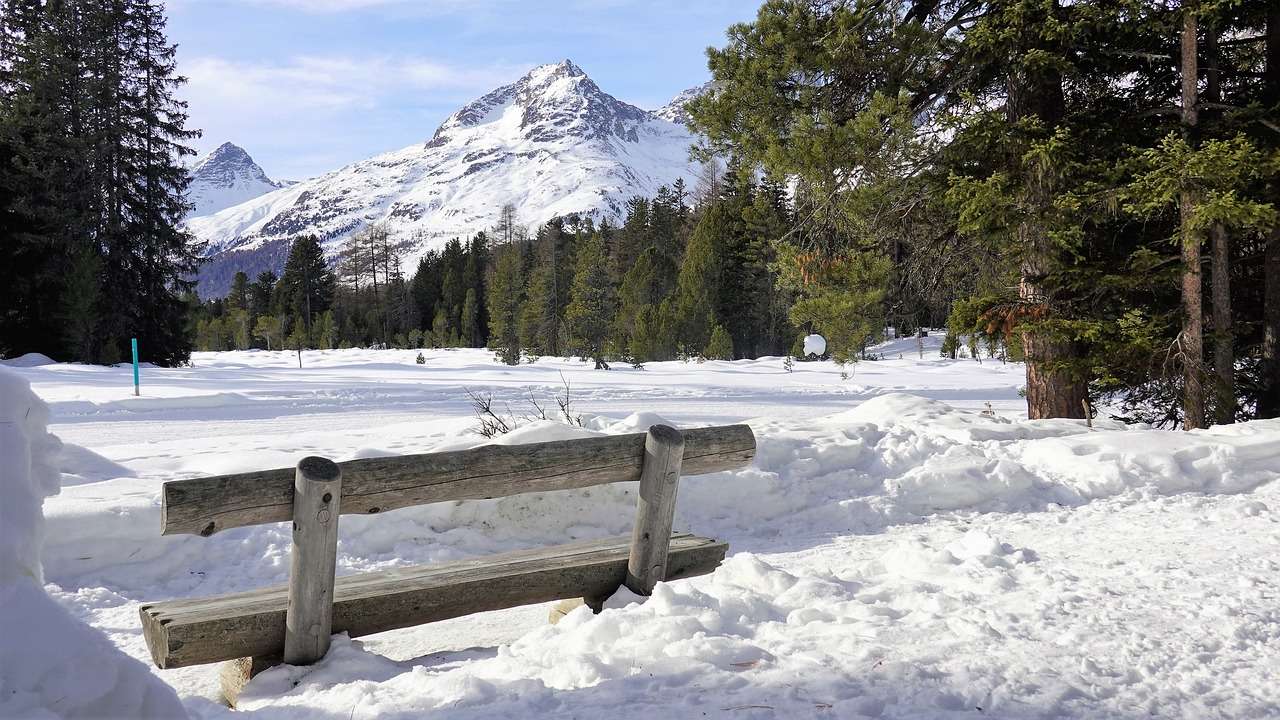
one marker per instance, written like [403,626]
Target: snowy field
[894,552]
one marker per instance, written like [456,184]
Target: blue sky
[309,85]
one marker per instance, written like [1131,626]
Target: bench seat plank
[205,630]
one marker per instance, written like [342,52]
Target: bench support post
[317,490]
[655,508]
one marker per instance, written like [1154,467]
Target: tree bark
[1224,359]
[1269,401]
[1191,341]
[1056,386]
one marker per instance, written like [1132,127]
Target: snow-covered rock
[225,177]
[553,143]
[814,345]
[675,111]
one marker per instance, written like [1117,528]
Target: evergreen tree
[720,346]
[470,319]
[238,296]
[590,315]
[698,285]
[93,139]
[506,292]
[306,287]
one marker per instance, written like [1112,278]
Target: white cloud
[310,82]
[294,107]
[418,6]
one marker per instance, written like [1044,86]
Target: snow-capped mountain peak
[549,102]
[552,143]
[226,177]
[674,111]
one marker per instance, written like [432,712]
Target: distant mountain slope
[551,143]
[674,111]
[226,177]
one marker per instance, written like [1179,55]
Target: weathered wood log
[252,624]
[233,675]
[655,508]
[203,506]
[317,497]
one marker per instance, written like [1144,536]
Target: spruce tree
[698,284]
[306,287]
[95,137]
[590,315]
[506,291]
[720,346]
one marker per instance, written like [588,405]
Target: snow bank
[751,631]
[28,360]
[51,665]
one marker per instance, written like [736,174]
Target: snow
[675,110]
[894,551]
[52,664]
[28,360]
[814,345]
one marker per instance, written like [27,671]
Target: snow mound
[28,360]
[51,665]
[750,630]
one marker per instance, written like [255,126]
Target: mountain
[226,177]
[551,143]
[674,111]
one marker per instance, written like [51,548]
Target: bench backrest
[203,506]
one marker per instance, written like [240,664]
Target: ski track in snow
[893,552]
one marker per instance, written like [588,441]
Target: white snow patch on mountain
[675,111]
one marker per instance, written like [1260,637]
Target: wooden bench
[293,623]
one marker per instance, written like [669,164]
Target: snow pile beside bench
[51,665]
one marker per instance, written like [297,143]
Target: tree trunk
[1269,401]
[1224,359]
[1224,362]
[1191,341]
[1055,383]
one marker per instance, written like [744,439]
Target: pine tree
[260,292]
[96,139]
[238,296]
[306,287]
[720,347]
[470,319]
[698,285]
[506,291]
[590,315]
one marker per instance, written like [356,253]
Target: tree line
[1093,183]
[677,278]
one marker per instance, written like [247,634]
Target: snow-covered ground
[894,551]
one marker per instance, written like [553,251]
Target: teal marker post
[135,366]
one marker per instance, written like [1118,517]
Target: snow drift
[893,554]
[52,665]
